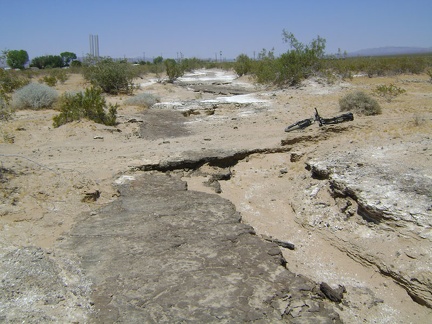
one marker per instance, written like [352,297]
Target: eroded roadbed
[161,253]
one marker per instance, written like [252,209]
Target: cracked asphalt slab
[161,254]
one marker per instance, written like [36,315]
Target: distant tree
[47,61]
[16,59]
[158,60]
[68,57]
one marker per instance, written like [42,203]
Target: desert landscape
[353,201]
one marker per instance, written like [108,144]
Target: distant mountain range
[391,50]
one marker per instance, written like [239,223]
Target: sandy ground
[47,172]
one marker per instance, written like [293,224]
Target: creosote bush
[111,76]
[9,82]
[12,80]
[297,64]
[34,96]
[360,103]
[49,80]
[174,70]
[53,77]
[429,73]
[145,100]
[88,104]
[242,65]
[389,92]
[6,111]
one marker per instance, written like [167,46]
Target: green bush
[293,66]
[54,76]
[429,73]
[190,64]
[293,69]
[173,70]
[49,80]
[242,65]
[6,111]
[34,96]
[360,103]
[11,80]
[111,76]
[88,104]
[75,64]
[266,68]
[300,62]
[145,100]
[60,74]
[389,92]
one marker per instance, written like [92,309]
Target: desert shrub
[300,62]
[6,111]
[360,103]
[190,64]
[75,64]
[173,69]
[60,74]
[242,65]
[429,73]
[9,81]
[34,96]
[293,66]
[158,69]
[389,92]
[12,80]
[49,80]
[54,76]
[111,76]
[145,100]
[89,104]
[380,65]
[266,68]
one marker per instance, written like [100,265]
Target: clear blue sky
[202,28]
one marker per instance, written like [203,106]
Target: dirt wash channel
[345,205]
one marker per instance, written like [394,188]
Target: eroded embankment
[388,201]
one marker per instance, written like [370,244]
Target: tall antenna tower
[94,45]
